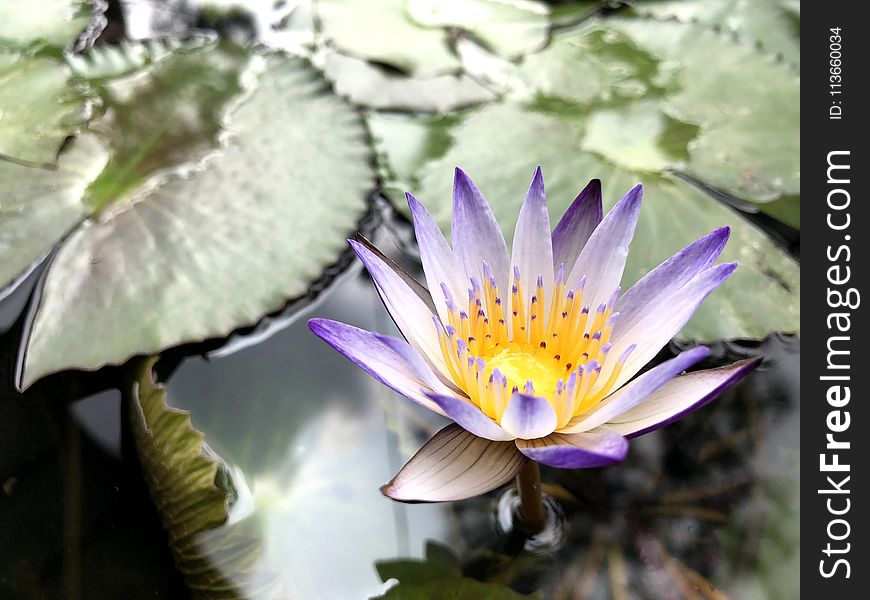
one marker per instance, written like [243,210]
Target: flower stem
[533,516]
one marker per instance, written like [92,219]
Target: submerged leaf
[193,492]
[196,254]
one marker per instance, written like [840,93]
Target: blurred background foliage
[177,172]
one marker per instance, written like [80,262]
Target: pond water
[705,508]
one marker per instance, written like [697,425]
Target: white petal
[455,465]
[389,360]
[439,262]
[635,391]
[412,315]
[680,396]
[602,260]
[477,237]
[532,247]
[661,320]
[576,225]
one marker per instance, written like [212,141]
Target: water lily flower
[532,352]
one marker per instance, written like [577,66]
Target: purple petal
[602,260]
[532,246]
[577,450]
[439,263]
[634,393]
[476,234]
[679,397]
[416,287]
[577,225]
[671,275]
[660,320]
[412,315]
[528,417]
[455,465]
[470,417]
[389,360]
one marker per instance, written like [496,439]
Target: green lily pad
[382,31]
[369,85]
[113,61]
[753,156]
[39,206]
[762,296]
[163,116]
[510,29]
[643,79]
[198,252]
[589,63]
[765,22]
[638,136]
[416,36]
[219,556]
[406,142]
[39,108]
[749,142]
[55,23]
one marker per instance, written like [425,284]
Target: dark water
[709,501]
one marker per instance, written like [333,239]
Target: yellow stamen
[551,352]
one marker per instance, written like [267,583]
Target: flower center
[542,370]
[557,351]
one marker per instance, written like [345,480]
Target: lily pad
[406,143]
[55,23]
[382,31]
[112,61]
[749,142]
[638,136]
[368,85]
[721,127]
[198,252]
[39,206]
[192,488]
[753,156]
[163,116]
[762,296]
[416,36]
[39,108]
[510,28]
[765,22]
[589,63]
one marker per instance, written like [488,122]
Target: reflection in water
[314,443]
[552,536]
